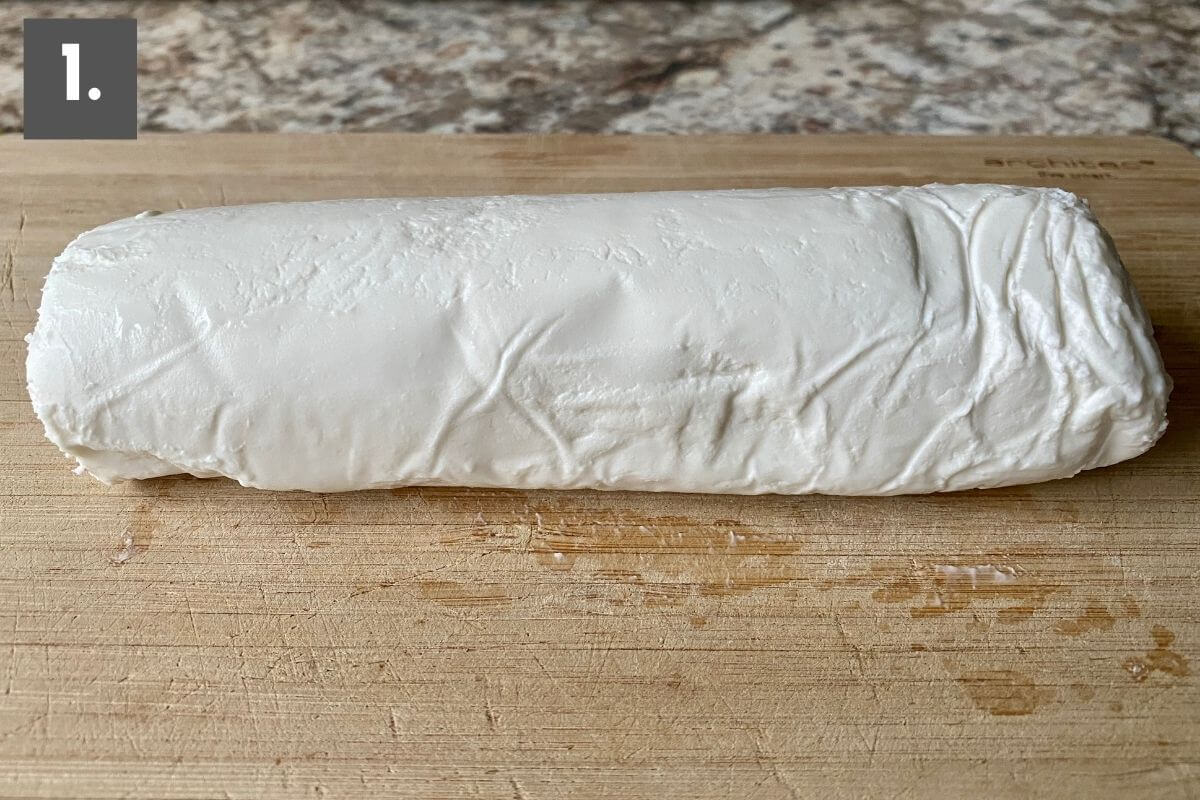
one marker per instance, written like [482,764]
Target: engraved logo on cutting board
[1060,167]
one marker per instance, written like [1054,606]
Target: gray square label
[80,79]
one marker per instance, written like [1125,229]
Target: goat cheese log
[847,341]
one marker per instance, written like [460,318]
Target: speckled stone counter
[943,66]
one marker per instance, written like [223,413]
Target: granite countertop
[943,66]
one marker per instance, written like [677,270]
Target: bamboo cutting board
[180,638]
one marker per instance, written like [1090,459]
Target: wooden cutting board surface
[184,638]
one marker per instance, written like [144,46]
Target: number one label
[70,51]
[67,64]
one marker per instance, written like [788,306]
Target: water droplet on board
[127,549]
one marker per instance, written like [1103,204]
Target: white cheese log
[846,341]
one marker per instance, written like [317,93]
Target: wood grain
[180,638]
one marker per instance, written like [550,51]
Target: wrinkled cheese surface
[845,341]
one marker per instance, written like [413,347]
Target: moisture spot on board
[897,591]
[1001,692]
[1163,638]
[136,536]
[1094,618]
[127,550]
[1083,691]
[1160,659]
[943,589]
[1013,615]
[558,560]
